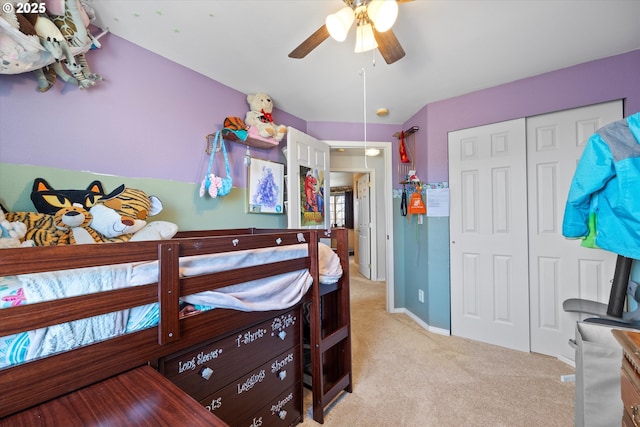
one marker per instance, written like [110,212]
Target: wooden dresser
[247,377]
[630,376]
[140,397]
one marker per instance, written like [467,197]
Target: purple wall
[331,131]
[598,81]
[148,118]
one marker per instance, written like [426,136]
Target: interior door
[308,173]
[364,226]
[560,268]
[488,230]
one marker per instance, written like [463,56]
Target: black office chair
[613,313]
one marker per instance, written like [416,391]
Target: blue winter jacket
[607,184]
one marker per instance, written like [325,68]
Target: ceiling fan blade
[389,46]
[311,43]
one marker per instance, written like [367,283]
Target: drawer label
[251,381]
[199,359]
[215,404]
[275,409]
[283,322]
[279,364]
[249,337]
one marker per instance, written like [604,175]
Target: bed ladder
[330,334]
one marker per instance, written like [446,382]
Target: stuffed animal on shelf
[72,20]
[259,116]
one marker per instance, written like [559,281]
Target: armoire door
[549,268]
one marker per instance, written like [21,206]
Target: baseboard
[422,323]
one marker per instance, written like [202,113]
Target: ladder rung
[333,339]
[342,384]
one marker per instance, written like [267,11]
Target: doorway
[351,159]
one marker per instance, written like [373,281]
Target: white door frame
[386,152]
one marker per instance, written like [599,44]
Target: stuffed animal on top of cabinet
[259,116]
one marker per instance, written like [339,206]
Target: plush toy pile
[48,37]
[85,216]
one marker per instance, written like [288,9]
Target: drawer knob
[282,335]
[206,373]
[282,414]
[282,375]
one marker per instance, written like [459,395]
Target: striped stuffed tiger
[70,225]
[40,227]
[118,215]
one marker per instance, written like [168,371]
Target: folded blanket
[276,293]
[63,284]
[329,265]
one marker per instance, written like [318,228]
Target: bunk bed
[202,314]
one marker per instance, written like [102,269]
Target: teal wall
[420,263]
[182,203]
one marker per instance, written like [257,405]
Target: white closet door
[560,268]
[488,229]
[520,194]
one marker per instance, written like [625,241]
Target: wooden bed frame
[29,384]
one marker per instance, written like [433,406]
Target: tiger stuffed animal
[70,225]
[123,212]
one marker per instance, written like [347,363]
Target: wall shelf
[252,139]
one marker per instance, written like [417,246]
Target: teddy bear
[259,116]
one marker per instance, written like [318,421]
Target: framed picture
[266,187]
[312,191]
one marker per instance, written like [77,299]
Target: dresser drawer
[629,391]
[255,389]
[283,411]
[202,370]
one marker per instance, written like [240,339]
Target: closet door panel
[488,226]
[560,268]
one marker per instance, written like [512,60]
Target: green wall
[182,202]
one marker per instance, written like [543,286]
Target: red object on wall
[404,157]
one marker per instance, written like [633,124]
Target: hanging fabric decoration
[217,186]
[416,205]
[404,157]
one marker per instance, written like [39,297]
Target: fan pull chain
[364,84]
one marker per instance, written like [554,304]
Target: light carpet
[404,375]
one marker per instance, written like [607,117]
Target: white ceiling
[452,47]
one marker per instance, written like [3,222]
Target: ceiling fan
[373,18]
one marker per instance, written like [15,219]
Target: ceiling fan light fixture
[339,23]
[364,38]
[383,13]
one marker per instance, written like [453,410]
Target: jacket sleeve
[593,171]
